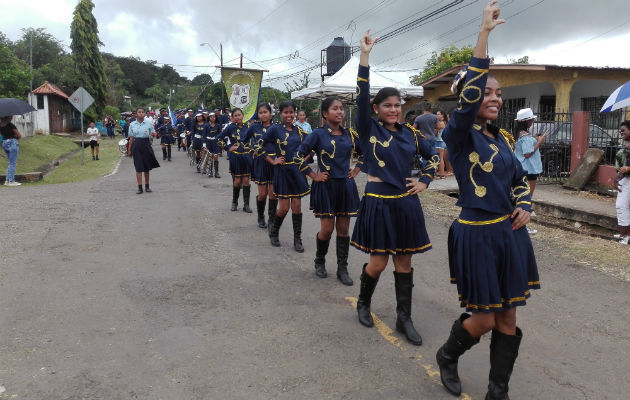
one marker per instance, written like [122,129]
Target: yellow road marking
[388,334]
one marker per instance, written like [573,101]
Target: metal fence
[556,150]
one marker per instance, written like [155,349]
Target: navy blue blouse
[488,173]
[389,155]
[285,142]
[268,149]
[334,152]
[232,134]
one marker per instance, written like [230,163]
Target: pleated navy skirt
[197,142]
[167,139]
[262,171]
[335,198]
[213,146]
[492,265]
[143,156]
[240,164]
[289,182]
[389,222]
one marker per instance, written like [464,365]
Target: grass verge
[71,170]
[603,255]
[38,151]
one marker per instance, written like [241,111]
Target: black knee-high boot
[260,205]
[163,153]
[320,256]
[404,324]
[447,356]
[236,191]
[343,245]
[246,191]
[216,169]
[503,353]
[368,284]
[273,206]
[168,152]
[275,230]
[297,233]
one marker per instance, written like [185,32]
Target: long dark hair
[286,104]
[264,105]
[328,102]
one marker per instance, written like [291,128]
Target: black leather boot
[163,153]
[260,205]
[368,284]
[320,256]
[216,169]
[404,324]
[147,188]
[297,233]
[447,356]
[236,191]
[503,353]
[343,245]
[246,190]
[168,153]
[275,230]
[273,206]
[140,191]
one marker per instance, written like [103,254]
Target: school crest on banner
[243,88]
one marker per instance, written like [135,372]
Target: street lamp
[214,51]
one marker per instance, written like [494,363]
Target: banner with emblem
[243,88]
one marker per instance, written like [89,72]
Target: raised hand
[491,16]
[367,42]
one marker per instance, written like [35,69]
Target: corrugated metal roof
[49,88]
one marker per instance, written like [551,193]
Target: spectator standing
[144,159]
[11,146]
[426,123]
[94,136]
[439,144]
[526,150]
[302,123]
[109,126]
[622,163]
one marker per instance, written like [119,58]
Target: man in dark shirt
[426,122]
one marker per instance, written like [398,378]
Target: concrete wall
[531,93]
[40,117]
[590,88]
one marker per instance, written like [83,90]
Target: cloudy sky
[286,36]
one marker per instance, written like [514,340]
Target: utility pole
[31,59]
[221,49]
[241,60]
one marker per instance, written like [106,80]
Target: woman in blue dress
[236,138]
[491,258]
[262,170]
[390,220]
[334,195]
[289,184]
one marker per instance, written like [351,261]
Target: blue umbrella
[11,106]
[620,98]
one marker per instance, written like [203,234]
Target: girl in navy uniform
[334,195]
[237,137]
[390,220]
[491,258]
[289,184]
[262,170]
[166,137]
[212,141]
[181,129]
[199,133]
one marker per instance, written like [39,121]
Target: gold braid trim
[507,136]
[521,190]
[414,130]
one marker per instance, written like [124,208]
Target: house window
[40,102]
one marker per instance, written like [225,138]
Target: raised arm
[364,112]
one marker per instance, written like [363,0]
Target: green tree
[15,76]
[86,54]
[61,72]
[201,80]
[447,58]
[5,41]
[46,48]
[156,92]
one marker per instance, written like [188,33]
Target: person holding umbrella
[10,145]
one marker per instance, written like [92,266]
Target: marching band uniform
[181,128]
[390,220]
[338,196]
[166,137]
[198,133]
[262,172]
[189,123]
[240,159]
[288,181]
[492,265]
[212,144]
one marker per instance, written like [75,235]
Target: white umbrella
[620,98]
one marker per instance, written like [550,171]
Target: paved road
[105,294]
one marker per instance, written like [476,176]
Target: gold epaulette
[354,133]
[507,136]
[414,130]
[302,132]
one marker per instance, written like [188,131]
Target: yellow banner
[243,88]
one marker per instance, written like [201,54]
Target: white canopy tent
[344,84]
